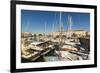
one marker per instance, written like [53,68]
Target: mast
[45,30]
[70,25]
[70,22]
[60,39]
[27,25]
[53,25]
[61,28]
[52,29]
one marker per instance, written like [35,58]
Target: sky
[36,21]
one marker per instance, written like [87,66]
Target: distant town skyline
[36,21]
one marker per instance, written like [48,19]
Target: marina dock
[60,45]
[50,52]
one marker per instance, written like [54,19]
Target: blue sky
[34,21]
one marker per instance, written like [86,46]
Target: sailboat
[68,45]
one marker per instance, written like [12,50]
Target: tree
[74,35]
[35,37]
[87,34]
[40,35]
